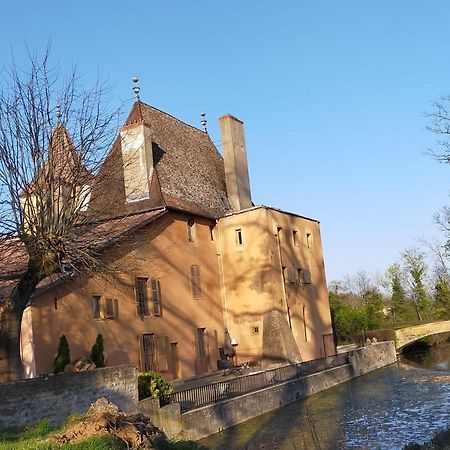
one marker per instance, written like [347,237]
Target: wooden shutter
[291,275]
[109,308]
[156,296]
[306,275]
[148,352]
[161,353]
[196,283]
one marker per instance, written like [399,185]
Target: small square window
[255,329]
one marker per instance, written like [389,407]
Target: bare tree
[53,139]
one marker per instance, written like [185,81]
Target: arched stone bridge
[405,336]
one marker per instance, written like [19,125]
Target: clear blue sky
[332,94]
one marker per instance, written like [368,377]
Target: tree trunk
[10,323]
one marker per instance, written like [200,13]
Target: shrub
[97,355]
[63,356]
[151,384]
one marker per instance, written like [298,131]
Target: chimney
[235,157]
[137,158]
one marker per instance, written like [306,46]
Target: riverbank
[387,408]
[221,413]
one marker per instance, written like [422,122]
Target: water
[382,410]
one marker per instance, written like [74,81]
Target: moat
[386,409]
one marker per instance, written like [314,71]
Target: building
[197,261]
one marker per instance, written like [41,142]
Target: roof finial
[58,112]
[136,88]
[203,121]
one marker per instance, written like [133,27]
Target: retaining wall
[57,397]
[211,419]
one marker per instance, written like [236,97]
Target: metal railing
[215,392]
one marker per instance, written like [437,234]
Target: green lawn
[35,438]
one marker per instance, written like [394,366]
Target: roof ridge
[176,118]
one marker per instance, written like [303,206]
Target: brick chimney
[137,157]
[235,157]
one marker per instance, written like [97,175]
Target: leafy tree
[53,136]
[416,268]
[97,355]
[442,298]
[63,356]
[398,296]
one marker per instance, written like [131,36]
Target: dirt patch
[133,431]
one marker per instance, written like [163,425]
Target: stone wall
[57,397]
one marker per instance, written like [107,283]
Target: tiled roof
[188,170]
[93,237]
[63,162]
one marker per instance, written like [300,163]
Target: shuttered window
[141,296]
[154,352]
[156,296]
[105,308]
[196,283]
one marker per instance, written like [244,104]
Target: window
[141,296]
[295,237]
[309,242]
[196,283]
[239,238]
[279,230]
[96,299]
[211,232]
[156,296]
[105,308]
[191,230]
[254,329]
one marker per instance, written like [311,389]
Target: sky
[333,95]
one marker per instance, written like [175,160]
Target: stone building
[198,262]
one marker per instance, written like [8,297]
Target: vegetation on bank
[408,293]
[440,441]
[37,437]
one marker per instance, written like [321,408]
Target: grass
[35,437]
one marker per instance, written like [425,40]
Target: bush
[63,356]
[97,355]
[151,384]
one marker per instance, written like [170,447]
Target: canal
[385,409]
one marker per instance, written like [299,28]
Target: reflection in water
[382,410]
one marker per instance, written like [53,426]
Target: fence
[211,393]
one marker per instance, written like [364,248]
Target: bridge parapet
[405,336]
